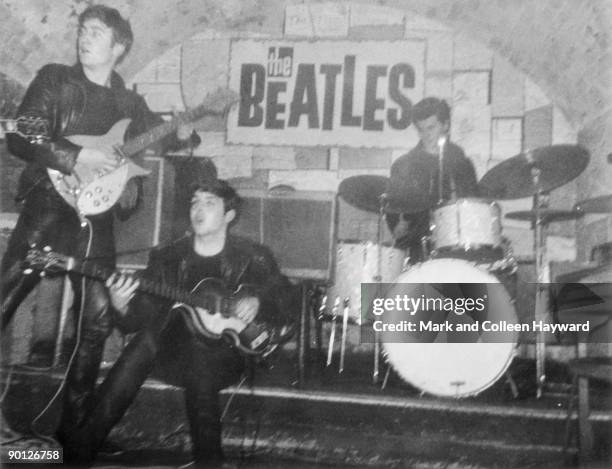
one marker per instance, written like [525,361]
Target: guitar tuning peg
[47,249]
[28,271]
[42,274]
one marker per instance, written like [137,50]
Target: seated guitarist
[166,342]
[87,98]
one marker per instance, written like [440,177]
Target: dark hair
[431,106]
[122,31]
[222,189]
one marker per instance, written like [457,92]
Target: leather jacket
[58,95]
[242,262]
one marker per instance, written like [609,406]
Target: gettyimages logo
[471,312]
[280,62]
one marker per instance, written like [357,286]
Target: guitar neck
[142,141]
[158,289]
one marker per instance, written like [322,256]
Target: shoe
[110,449]
[209,465]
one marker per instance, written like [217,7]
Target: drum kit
[455,369]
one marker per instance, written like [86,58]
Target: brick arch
[561,44]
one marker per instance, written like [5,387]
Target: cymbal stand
[542,278]
[377,279]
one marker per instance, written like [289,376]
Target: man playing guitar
[167,341]
[85,99]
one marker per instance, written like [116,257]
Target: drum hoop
[513,349]
[478,200]
[384,244]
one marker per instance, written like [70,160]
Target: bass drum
[455,369]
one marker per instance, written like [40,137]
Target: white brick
[471,129]
[147,74]
[507,89]
[162,97]
[470,88]
[362,15]
[330,19]
[169,66]
[506,137]
[313,180]
[298,21]
[318,20]
[439,51]
[534,96]
[471,55]
[420,23]
[204,68]
[562,131]
[274,158]
[440,84]
[233,166]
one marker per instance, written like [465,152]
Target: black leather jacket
[57,94]
[242,262]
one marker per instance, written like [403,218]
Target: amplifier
[298,226]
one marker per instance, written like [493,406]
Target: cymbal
[512,178]
[602,204]
[366,191]
[547,215]
[363,191]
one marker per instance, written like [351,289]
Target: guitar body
[95,195]
[219,319]
[209,309]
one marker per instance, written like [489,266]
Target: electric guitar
[209,309]
[95,193]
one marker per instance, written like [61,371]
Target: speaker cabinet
[146,228]
[298,226]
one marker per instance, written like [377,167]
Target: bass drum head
[455,369]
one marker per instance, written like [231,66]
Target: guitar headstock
[35,129]
[47,261]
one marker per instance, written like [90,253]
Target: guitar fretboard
[169,292]
[158,132]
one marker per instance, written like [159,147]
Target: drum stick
[345,314]
[332,335]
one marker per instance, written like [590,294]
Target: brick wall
[497,111]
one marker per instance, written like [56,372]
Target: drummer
[414,176]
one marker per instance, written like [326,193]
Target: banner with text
[325,92]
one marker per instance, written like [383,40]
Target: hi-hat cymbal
[513,178]
[363,191]
[602,204]
[547,215]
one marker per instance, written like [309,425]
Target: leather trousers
[172,354]
[47,220]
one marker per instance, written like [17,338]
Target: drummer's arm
[399,224]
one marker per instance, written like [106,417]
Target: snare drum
[357,263]
[466,224]
[455,369]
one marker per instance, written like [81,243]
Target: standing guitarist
[167,340]
[85,99]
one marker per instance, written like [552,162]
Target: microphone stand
[441,144]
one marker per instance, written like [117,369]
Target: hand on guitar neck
[122,289]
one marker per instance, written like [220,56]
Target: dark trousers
[171,353]
[46,220]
